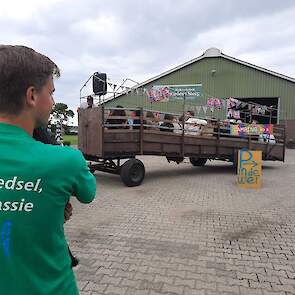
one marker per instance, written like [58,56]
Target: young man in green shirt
[36,181]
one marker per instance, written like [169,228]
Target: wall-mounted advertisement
[164,93]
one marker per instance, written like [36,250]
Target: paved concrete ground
[188,230]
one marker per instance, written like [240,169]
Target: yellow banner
[249,169]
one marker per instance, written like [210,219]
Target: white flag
[204,109]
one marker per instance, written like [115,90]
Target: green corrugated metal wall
[231,79]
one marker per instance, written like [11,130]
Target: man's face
[44,103]
[90,102]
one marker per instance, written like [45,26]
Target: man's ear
[30,99]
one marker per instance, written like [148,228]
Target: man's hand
[68,211]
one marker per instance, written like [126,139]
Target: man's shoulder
[63,153]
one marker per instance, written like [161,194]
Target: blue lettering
[243,171]
[244,161]
[244,153]
[250,180]
[5,236]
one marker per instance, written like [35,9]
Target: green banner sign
[163,93]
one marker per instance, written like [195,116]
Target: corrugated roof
[214,52]
[211,53]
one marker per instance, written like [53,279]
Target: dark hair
[150,115]
[43,135]
[119,113]
[20,68]
[168,117]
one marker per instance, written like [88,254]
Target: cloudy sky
[140,39]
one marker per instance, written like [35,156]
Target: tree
[61,113]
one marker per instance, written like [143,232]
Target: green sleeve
[85,182]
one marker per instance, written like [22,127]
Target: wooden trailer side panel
[97,141]
[128,142]
[90,134]
[121,142]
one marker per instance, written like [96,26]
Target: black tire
[198,161]
[132,172]
[235,161]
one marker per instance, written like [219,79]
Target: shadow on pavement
[183,172]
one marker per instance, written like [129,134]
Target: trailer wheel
[235,161]
[198,161]
[132,172]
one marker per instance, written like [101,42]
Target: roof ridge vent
[212,52]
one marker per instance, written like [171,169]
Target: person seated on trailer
[185,117]
[131,115]
[224,127]
[189,114]
[136,122]
[157,117]
[151,120]
[167,126]
[267,138]
[193,126]
[178,125]
[189,122]
[121,123]
[88,104]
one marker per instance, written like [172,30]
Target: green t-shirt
[36,182]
